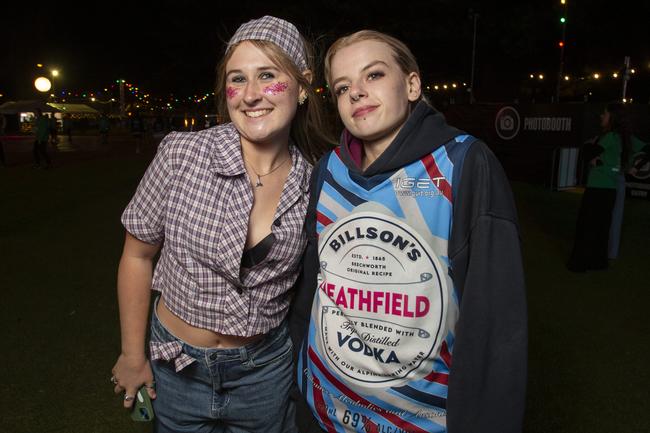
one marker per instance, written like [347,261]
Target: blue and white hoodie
[410,312]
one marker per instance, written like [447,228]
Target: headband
[282,33]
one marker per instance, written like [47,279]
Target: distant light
[633,71]
[532,76]
[540,76]
[615,75]
[563,2]
[560,44]
[563,20]
[453,85]
[436,87]
[92,99]
[42,84]
[55,73]
[596,75]
[444,86]
[624,100]
[39,65]
[566,78]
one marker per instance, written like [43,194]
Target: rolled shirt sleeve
[144,216]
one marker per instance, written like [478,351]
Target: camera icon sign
[507,123]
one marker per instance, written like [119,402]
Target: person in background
[609,159]
[411,308]
[3,125]
[225,208]
[66,126]
[41,135]
[104,126]
[137,130]
[54,130]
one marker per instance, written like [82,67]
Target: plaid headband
[282,33]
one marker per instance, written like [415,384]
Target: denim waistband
[167,346]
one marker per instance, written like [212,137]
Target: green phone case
[142,408]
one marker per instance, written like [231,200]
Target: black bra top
[256,255]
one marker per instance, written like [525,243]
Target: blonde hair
[308,130]
[401,53]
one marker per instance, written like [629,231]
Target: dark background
[172,46]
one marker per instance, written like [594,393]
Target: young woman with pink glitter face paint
[225,208]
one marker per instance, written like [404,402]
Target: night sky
[172,47]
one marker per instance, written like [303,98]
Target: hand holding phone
[142,408]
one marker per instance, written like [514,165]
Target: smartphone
[142,408]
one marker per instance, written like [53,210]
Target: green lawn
[60,241]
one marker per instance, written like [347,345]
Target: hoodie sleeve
[487,384]
[305,286]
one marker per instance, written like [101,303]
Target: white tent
[73,108]
[17,107]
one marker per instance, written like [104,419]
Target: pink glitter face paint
[276,88]
[231,92]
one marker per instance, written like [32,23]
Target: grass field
[60,241]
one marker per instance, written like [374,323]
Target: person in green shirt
[41,135]
[609,159]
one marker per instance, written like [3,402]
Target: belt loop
[243,353]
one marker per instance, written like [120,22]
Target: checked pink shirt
[196,198]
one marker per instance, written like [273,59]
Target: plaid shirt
[196,197]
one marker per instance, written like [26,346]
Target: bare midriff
[198,336]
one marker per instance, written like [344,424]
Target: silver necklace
[260,176]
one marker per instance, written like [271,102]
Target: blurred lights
[596,76]
[42,84]
[55,72]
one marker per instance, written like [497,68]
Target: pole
[471,82]
[561,70]
[626,76]
[122,105]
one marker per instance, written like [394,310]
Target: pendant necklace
[259,183]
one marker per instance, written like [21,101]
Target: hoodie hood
[424,131]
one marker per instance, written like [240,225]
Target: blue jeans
[245,389]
